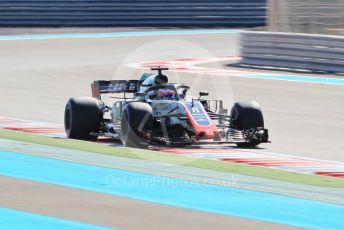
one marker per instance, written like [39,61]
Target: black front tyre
[247,115]
[136,118]
[83,116]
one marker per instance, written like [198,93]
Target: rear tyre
[136,117]
[246,115]
[82,116]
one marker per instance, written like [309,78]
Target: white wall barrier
[294,51]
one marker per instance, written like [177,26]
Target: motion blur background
[307,16]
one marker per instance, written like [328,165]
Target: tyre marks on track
[192,65]
[226,153]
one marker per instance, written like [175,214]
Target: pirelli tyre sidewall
[246,115]
[136,115]
[82,116]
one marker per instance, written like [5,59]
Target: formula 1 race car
[153,111]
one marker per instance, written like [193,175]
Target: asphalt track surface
[38,76]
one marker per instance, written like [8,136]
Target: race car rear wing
[113,86]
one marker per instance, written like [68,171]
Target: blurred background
[307,16]
[143,13]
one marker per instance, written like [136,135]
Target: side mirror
[201,94]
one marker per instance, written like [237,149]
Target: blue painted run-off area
[297,78]
[180,193]
[119,34]
[13,219]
